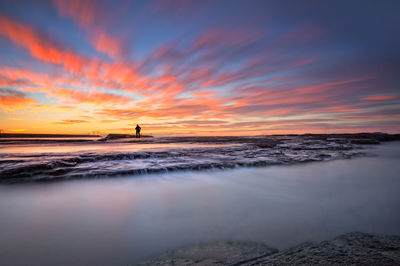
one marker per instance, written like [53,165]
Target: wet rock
[267,143]
[377,136]
[122,136]
[365,141]
[219,253]
[349,249]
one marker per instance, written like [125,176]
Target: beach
[134,218]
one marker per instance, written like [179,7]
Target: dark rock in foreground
[348,249]
[219,253]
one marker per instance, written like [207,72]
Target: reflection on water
[124,220]
[96,146]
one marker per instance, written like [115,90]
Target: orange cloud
[38,82]
[70,122]
[336,109]
[92,97]
[203,93]
[107,44]
[39,46]
[11,100]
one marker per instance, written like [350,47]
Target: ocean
[124,201]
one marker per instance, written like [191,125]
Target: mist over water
[124,220]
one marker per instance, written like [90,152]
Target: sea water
[129,218]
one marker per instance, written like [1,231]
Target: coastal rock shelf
[123,136]
[124,156]
[219,253]
[349,249]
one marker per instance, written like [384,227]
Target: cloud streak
[70,122]
[11,100]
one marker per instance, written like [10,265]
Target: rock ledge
[349,249]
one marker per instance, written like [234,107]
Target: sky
[181,67]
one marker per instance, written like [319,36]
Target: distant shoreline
[379,136]
[23,135]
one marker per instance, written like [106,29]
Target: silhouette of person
[138,128]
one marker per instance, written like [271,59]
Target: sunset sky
[199,67]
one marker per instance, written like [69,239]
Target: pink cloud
[88,15]
[380,98]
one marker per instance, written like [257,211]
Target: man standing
[138,128]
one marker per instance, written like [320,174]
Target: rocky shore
[349,249]
[123,136]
